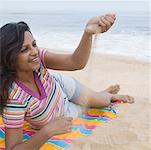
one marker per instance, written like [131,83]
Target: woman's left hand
[100,24]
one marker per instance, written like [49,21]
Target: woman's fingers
[69,118]
[104,24]
[106,21]
[111,15]
[110,19]
[100,21]
[100,24]
[69,121]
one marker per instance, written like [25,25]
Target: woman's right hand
[59,125]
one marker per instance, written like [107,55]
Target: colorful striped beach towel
[82,126]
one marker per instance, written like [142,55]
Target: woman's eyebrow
[34,41]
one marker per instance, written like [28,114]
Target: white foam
[133,45]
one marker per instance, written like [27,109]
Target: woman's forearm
[82,53]
[59,125]
[99,24]
[36,141]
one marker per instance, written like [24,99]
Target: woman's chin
[36,67]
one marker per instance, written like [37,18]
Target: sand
[132,129]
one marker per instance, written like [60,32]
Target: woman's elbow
[79,66]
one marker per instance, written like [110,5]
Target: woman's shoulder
[43,72]
[41,56]
[43,67]
[16,94]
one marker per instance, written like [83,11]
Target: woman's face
[28,58]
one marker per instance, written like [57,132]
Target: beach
[60,25]
[131,129]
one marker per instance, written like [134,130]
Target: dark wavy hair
[11,41]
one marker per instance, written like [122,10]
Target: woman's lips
[35,59]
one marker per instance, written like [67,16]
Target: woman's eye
[34,44]
[24,50]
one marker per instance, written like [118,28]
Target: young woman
[45,99]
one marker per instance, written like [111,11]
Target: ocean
[60,25]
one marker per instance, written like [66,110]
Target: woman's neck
[25,77]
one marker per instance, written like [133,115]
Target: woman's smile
[36,60]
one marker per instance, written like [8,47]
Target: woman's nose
[34,51]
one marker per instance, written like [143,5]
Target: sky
[13,6]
